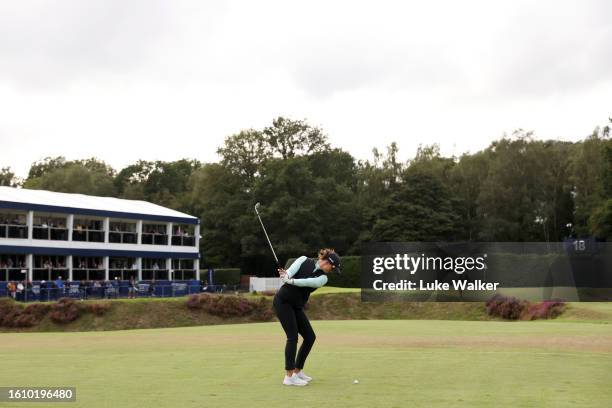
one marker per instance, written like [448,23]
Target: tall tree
[244,154]
[89,176]
[7,177]
[290,138]
[590,174]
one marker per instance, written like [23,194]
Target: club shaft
[268,238]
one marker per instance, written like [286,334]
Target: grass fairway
[399,363]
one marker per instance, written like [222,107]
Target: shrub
[25,320]
[545,310]
[511,308]
[193,302]
[8,309]
[225,276]
[39,310]
[15,315]
[99,309]
[230,306]
[64,311]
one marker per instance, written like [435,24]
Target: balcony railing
[49,273]
[122,274]
[50,233]
[154,239]
[122,237]
[183,240]
[183,274]
[13,231]
[13,273]
[79,274]
[88,235]
[157,274]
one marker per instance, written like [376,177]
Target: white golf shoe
[303,376]
[294,380]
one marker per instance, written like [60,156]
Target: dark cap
[334,259]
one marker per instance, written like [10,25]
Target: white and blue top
[316,282]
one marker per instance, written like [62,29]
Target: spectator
[108,286]
[133,288]
[20,291]
[11,289]
[44,293]
[152,288]
[97,287]
[59,284]
[117,286]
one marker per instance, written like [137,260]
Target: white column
[169,227]
[139,263]
[197,236]
[106,267]
[69,261]
[30,265]
[70,226]
[169,268]
[196,265]
[30,224]
[139,231]
[106,229]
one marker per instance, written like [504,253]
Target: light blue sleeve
[311,282]
[295,266]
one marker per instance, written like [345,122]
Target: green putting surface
[399,363]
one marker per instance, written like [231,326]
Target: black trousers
[294,321]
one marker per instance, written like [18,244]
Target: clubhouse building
[45,235]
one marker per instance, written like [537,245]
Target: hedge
[225,276]
[351,273]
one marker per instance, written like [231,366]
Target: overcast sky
[127,80]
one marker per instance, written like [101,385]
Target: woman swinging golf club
[304,276]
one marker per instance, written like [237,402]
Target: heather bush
[15,315]
[230,306]
[99,309]
[545,310]
[511,308]
[64,311]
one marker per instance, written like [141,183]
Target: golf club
[264,229]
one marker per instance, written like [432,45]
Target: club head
[257,207]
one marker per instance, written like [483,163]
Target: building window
[88,230]
[50,227]
[183,235]
[49,267]
[12,267]
[154,268]
[122,268]
[86,268]
[183,269]
[13,225]
[122,233]
[154,234]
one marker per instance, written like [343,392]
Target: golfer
[304,276]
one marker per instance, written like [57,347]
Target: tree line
[315,195]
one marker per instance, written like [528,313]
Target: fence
[111,290]
[264,284]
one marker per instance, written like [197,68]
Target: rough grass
[328,304]
[399,363]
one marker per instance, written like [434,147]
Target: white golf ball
[355,381]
